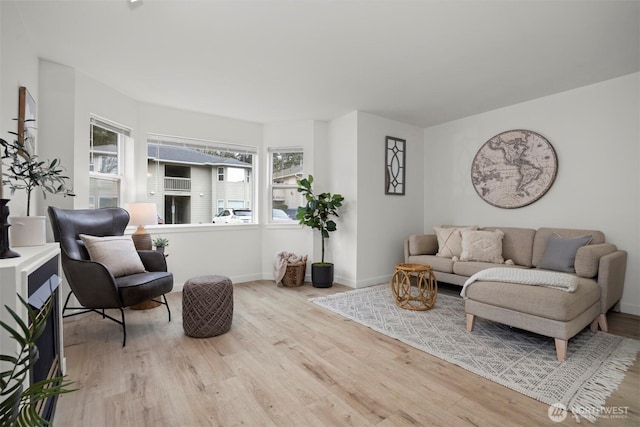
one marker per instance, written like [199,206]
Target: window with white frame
[218,178]
[286,166]
[106,145]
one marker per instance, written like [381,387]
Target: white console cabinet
[36,277]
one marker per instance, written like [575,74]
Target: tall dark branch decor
[26,119]
[394,171]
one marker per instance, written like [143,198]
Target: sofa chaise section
[599,267]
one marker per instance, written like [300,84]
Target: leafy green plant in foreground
[19,406]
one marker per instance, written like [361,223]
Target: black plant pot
[322,274]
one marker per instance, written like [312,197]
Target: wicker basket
[294,276]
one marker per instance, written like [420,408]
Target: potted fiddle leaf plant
[18,405]
[27,172]
[317,213]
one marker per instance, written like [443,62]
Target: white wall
[385,221]
[372,225]
[19,67]
[595,131]
[339,158]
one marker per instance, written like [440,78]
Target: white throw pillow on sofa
[484,246]
[450,240]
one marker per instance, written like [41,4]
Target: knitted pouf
[207,306]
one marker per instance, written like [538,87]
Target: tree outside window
[286,168]
[105,162]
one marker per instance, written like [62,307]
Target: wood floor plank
[286,362]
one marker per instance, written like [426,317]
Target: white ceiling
[419,62]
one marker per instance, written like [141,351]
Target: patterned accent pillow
[117,253]
[483,246]
[450,240]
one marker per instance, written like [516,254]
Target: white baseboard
[630,309]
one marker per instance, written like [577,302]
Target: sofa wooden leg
[594,325]
[561,349]
[602,321]
[470,319]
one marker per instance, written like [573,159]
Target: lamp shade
[142,213]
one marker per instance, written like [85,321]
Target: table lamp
[142,214]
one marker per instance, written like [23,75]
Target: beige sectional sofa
[598,270]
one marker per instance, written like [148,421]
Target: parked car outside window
[278,215]
[233,216]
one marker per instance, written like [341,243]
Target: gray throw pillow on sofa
[560,254]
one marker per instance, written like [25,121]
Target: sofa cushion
[483,246]
[517,244]
[543,234]
[450,240]
[436,262]
[423,244]
[537,300]
[469,268]
[588,258]
[560,254]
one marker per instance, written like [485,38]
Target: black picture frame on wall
[395,167]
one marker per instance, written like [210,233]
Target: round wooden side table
[422,295]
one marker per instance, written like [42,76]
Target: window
[191,181]
[106,142]
[286,168]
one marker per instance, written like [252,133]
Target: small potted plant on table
[316,214]
[160,243]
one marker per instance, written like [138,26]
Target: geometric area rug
[519,360]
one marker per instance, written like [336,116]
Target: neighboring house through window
[191,180]
[107,141]
[286,166]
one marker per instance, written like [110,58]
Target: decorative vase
[160,249]
[322,275]
[5,250]
[28,230]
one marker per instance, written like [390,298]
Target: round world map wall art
[514,169]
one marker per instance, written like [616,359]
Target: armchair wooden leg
[594,325]
[470,319]
[561,349]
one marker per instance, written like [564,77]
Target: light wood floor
[285,362]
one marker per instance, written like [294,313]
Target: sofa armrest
[422,244]
[587,260]
[611,274]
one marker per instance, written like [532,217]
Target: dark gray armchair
[93,285]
